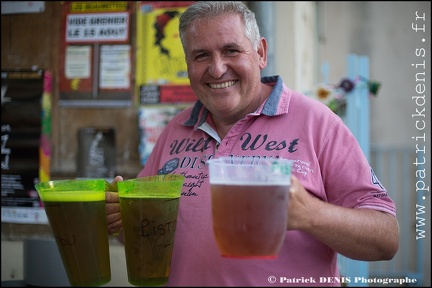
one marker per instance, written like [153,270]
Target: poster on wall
[161,71]
[25,128]
[95,54]
[22,7]
[152,119]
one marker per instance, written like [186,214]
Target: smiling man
[332,208]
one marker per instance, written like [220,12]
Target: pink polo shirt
[326,158]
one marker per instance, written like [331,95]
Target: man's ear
[262,53]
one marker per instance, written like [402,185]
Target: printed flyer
[25,131]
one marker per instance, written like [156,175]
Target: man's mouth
[222,85]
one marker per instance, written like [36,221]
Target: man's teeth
[222,85]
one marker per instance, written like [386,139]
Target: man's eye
[231,52]
[200,56]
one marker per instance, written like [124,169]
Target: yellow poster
[160,57]
[159,54]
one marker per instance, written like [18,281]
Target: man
[337,205]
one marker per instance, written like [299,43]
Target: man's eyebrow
[198,51]
[231,45]
[225,47]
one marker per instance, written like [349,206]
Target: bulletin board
[96,54]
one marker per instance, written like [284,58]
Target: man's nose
[217,67]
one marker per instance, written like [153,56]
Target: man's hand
[113,216]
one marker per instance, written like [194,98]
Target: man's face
[223,67]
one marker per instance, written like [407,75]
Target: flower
[334,96]
[323,93]
[347,85]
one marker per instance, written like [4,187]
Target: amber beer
[76,212]
[149,209]
[259,225]
[249,205]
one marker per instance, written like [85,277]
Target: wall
[381,30]
[41,32]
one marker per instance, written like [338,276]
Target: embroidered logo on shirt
[379,194]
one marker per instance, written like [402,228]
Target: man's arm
[360,234]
